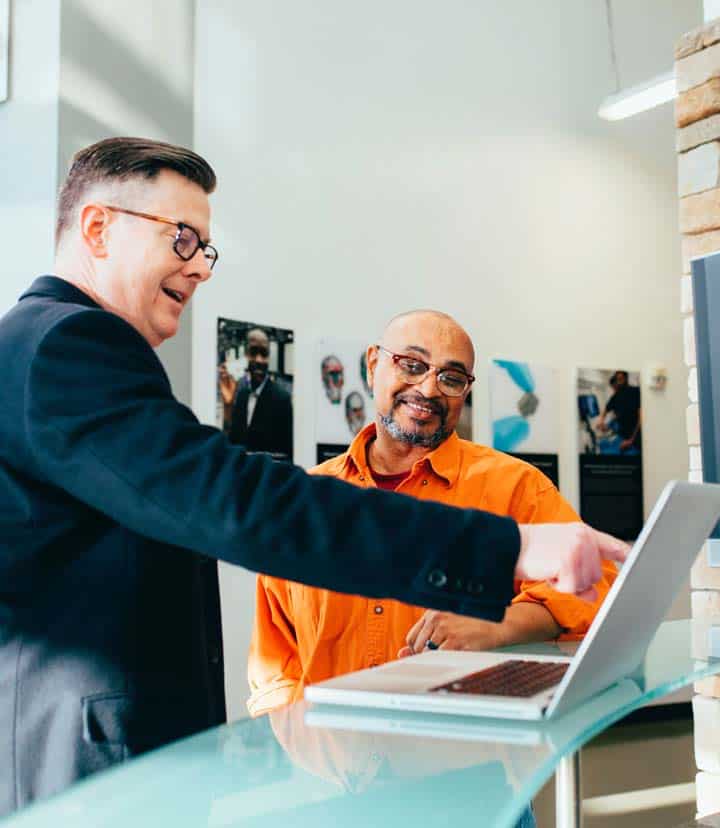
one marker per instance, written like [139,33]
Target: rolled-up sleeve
[274,669]
[573,614]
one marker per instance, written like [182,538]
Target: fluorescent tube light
[639,98]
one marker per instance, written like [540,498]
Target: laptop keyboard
[509,678]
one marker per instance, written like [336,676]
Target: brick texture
[698,133]
[686,294]
[701,212]
[693,425]
[706,604]
[708,687]
[698,68]
[699,169]
[697,39]
[700,245]
[706,714]
[702,575]
[693,387]
[697,111]
[697,103]
[689,341]
[707,787]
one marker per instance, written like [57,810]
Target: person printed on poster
[624,404]
[355,412]
[256,400]
[610,451]
[333,377]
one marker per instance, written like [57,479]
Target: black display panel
[706,298]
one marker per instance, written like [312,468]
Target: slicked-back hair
[124,159]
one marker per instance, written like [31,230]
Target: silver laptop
[512,686]
[473,728]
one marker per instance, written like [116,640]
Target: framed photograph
[4,48]
[524,413]
[255,386]
[610,450]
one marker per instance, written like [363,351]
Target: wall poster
[254,386]
[523,411]
[610,450]
[343,401]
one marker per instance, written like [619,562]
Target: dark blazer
[271,427]
[113,501]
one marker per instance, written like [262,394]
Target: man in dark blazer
[115,502]
[258,411]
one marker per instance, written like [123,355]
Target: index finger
[413,632]
[611,548]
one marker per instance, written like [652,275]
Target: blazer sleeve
[101,423]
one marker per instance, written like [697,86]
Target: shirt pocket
[324,614]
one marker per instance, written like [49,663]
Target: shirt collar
[257,391]
[57,288]
[444,461]
[245,383]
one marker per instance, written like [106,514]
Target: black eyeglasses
[452,382]
[187,239]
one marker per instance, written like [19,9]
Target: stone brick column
[697,69]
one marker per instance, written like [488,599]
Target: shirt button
[437,578]
[378,610]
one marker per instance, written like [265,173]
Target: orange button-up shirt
[303,635]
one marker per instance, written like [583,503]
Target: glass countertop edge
[171,758]
[547,768]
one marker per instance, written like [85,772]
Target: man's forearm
[526,622]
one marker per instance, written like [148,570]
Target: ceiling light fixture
[626,102]
[639,98]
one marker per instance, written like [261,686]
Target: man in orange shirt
[420,376]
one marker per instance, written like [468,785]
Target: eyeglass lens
[451,383]
[187,243]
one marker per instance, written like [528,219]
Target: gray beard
[413,438]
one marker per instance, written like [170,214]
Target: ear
[371,357]
[94,223]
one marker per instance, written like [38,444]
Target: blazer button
[361,478]
[437,578]
[424,482]
[378,610]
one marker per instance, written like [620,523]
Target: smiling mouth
[174,295]
[420,410]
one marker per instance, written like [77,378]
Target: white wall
[81,71]
[382,156]
[28,147]
[127,69]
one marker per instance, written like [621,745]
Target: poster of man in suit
[254,384]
